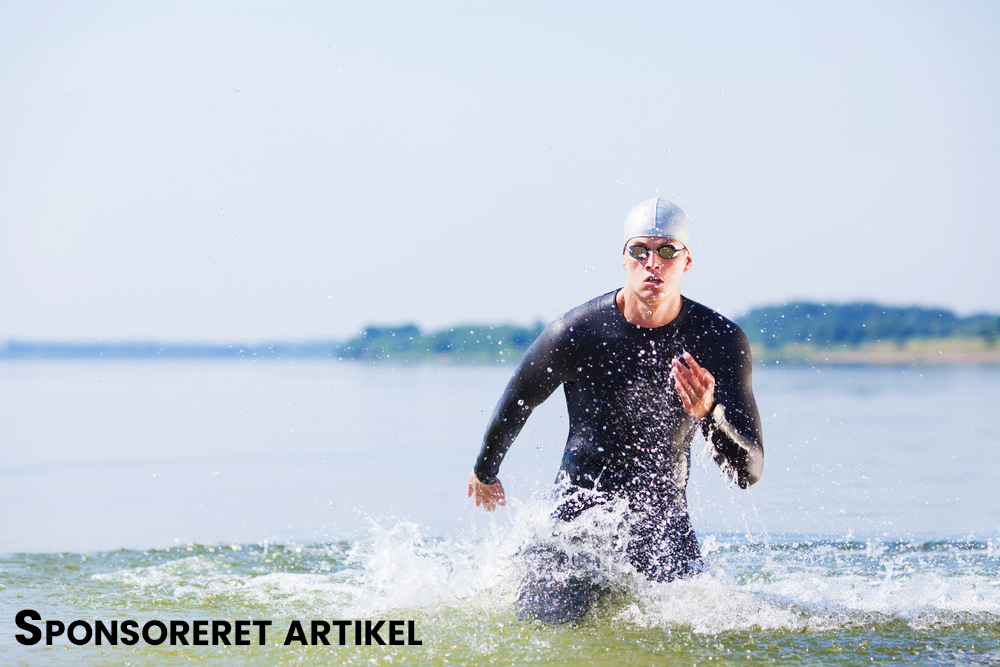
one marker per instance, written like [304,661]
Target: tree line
[473,342]
[855,324]
[802,323]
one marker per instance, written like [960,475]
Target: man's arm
[737,443]
[539,374]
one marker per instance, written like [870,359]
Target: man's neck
[648,314]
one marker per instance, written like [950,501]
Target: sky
[260,171]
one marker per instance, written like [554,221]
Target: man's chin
[653,293]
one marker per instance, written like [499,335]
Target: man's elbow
[753,469]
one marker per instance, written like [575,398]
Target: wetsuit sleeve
[541,371]
[733,425]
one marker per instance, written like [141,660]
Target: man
[643,368]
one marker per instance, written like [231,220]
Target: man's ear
[688,262]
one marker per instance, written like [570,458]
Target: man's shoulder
[705,320]
[593,313]
[574,330]
[596,307]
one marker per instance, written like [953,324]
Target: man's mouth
[654,280]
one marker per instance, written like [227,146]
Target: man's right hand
[487,495]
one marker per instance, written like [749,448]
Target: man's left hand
[695,385]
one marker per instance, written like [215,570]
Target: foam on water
[938,601]
[808,585]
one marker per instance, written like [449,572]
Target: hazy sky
[286,170]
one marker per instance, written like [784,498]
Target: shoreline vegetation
[916,352]
[796,333]
[869,333]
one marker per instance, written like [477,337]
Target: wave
[747,585]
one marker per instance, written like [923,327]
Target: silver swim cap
[657,217]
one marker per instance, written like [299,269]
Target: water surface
[275,490]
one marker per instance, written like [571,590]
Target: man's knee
[557,588]
[556,601]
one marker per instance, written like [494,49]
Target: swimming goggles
[668,251]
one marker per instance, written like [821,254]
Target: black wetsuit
[629,436]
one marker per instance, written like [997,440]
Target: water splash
[807,585]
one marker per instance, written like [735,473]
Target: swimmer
[643,369]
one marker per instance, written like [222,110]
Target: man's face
[655,278]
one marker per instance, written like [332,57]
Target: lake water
[320,490]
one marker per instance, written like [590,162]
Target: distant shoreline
[793,333]
[154,350]
[920,352]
